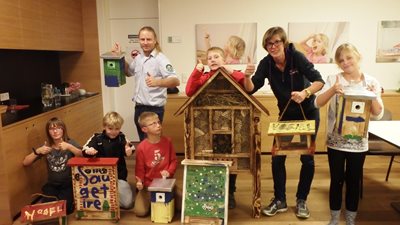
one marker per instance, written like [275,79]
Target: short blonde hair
[113,119]
[217,50]
[272,32]
[145,116]
[236,46]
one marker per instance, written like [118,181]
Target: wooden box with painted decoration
[353,113]
[48,211]
[95,185]
[114,69]
[162,200]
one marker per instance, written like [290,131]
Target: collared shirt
[157,65]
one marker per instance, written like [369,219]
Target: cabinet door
[84,119]
[31,23]
[18,142]
[62,27]
[41,25]
[10,25]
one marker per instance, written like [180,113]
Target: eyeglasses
[55,129]
[153,124]
[276,43]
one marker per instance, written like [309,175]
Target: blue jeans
[139,109]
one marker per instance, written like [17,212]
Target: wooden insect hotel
[222,123]
[353,113]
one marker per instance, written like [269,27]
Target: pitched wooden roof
[224,73]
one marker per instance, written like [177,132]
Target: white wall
[117,18]
[178,18]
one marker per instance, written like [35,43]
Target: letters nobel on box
[95,183]
[45,211]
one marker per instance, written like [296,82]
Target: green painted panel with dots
[205,190]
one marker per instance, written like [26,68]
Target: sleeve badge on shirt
[169,68]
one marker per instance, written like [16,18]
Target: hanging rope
[287,105]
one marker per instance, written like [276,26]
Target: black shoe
[276,206]
[231,201]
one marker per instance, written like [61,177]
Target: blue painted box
[114,69]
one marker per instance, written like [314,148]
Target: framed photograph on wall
[388,46]
[237,39]
[318,41]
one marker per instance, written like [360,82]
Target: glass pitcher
[47,95]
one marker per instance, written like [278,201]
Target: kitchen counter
[36,108]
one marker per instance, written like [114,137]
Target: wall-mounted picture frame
[318,41]
[388,41]
[237,39]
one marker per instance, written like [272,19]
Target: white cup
[82,92]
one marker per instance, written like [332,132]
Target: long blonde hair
[346,47]
[236,46]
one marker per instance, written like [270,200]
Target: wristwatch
[308,93]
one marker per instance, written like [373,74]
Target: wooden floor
[374,208]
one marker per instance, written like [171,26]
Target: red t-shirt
[151,159]
[197,79]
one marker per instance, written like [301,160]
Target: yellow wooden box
[162,200]
[162,212]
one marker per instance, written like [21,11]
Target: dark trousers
[279,176]
[345,167]
[139,109]
[232,183]
[307,163]
[62,191]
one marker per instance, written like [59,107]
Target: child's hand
[91,151]
[199,66]
[139,184]
[64,145]
[45,149]
[206,36]
[164,174]
[337,87]
[371,87]
[129,150]
[250,68]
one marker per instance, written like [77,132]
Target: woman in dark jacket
[293,81]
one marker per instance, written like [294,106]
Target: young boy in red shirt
[215,60]
[155,158]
